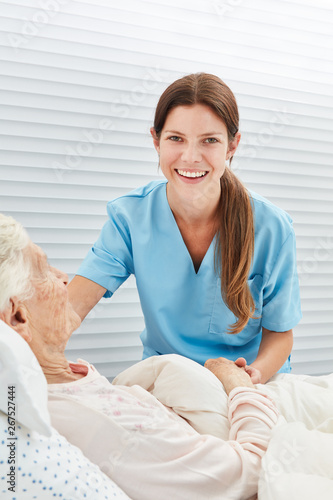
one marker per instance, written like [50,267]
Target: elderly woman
[145,447]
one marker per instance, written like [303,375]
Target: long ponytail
[234,248]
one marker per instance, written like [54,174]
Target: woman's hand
[254,373]
[230,374]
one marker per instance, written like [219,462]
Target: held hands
[229,373]
[254,373]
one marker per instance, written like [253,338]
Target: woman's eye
[175,138]
[211,140]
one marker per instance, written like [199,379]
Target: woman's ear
[16,317]
[233,145]
[156,140]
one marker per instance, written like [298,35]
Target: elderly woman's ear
[15,316]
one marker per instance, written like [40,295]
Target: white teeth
[191,174]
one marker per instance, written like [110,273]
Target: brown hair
[235,242]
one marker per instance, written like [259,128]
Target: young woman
[215,264]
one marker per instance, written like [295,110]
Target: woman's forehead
[38,257]
[198,116]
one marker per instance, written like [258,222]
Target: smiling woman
[215,264]
[202,156]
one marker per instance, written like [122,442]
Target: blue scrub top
[183,310]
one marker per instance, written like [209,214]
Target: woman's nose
[60,275]
[191,153]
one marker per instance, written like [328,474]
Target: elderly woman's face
[49,309]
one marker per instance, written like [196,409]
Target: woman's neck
[199,212]
[56,368]
[63,374]
[62,378]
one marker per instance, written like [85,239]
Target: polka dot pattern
[50,468]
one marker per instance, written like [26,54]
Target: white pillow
[187,387]
[19,368]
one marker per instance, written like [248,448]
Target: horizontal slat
[136,93]
[307,19]
[317,304]
[105,341]
[109,165]
[317,317]
[307,11]
[101,355]
[315,279]
[232,71]
[299,367]
[63,191]
[98,20]
[269,191]
[80,153]
[313,292]
[70,42]
[323,343]
[322,355]
[311,331]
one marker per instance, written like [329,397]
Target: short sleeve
[110,261]
[281,297]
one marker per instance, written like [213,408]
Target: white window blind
[79,83]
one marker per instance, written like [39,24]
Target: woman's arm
[274,350]
[84,295]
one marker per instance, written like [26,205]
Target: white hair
[15,266]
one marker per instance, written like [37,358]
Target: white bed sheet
[299,460]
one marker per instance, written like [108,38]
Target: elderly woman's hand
[229,373]
[254,373]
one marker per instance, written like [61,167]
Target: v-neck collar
[182,242]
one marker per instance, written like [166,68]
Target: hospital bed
[298,464]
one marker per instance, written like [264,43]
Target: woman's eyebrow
[174,132]
[210,133]
[201,135]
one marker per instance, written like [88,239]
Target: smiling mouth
[186,173]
